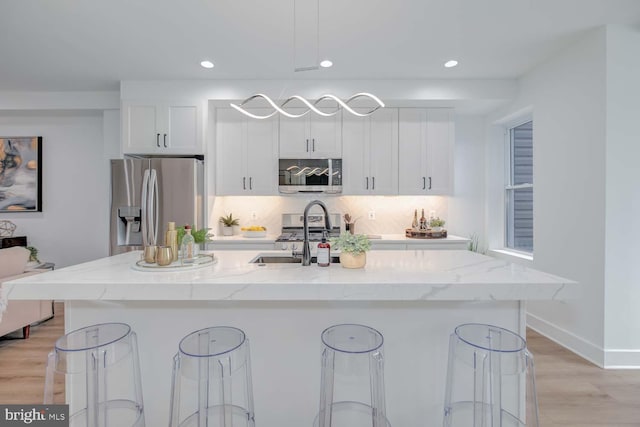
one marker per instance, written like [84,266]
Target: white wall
[466,213]
[73,226]
[622,275]
[567,95]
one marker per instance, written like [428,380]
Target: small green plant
[351,243]
[199,236]
[229,220]
[33,256]
[474,244]
[436,222]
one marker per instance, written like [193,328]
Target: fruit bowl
[254,231]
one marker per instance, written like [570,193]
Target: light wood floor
[571,391]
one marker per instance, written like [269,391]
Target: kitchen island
[414,298]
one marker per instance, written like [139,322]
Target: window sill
[513,256]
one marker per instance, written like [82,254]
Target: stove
[293,230]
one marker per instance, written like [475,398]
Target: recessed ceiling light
[207,64]
[326,63]
[451,63]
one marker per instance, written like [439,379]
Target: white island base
[414,298]
[285,348]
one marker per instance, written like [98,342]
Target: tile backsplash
[393,214]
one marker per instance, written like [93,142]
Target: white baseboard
[622,359]
[607,359]
[580,346]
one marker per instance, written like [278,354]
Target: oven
[292,234]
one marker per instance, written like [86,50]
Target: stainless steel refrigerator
[147,193]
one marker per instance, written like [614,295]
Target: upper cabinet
[246,153]
[426,142]
[311,136]
[162,128]
[370,153]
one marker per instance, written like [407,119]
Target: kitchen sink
[286,259]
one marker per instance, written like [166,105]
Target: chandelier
[310,106]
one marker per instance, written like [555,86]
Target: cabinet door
[139,124]
[355,155]
[294,136]
[439,151]
[326,136]
[383,151]
[262,155]
[182,129]
[412,175]
[230,152]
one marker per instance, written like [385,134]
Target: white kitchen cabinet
[311,136]
[246,153]
[162,128]
[370,153]
[426,139]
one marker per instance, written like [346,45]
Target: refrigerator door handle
[143,207]
[154,209]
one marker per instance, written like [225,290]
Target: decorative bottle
[423,222]
[414,224]
[187,246]
[324,251]
[171,240]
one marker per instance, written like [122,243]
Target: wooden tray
[428,234]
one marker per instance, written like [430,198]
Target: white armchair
[19,314]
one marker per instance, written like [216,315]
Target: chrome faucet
[306,250]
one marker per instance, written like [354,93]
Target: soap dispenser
[324,251]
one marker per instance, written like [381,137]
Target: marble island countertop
[388,276]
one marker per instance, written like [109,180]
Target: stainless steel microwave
[310,176]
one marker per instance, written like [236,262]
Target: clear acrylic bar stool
[490,371]
[352,381]
[99,371]
[212,380]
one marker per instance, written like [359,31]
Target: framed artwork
[21,174]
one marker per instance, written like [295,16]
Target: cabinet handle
[307,145]
[429,183]
[250,184]
[165,140]
[424,183]
[367,183]
[373,183]
[244,183]
[158,140]
[313,144]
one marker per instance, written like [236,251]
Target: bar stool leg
[175,395]
[532,409]
[326,387]
[203,379]
[96,386]
[449,384]
[376,372]
[48,379]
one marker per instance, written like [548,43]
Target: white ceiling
[93,44]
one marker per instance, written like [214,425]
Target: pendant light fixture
[306,40]
[310,106]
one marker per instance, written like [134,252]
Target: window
[519,189]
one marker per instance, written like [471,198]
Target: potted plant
[353,249]
[33,256]
[200,237]
[436,224]
[227,224]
